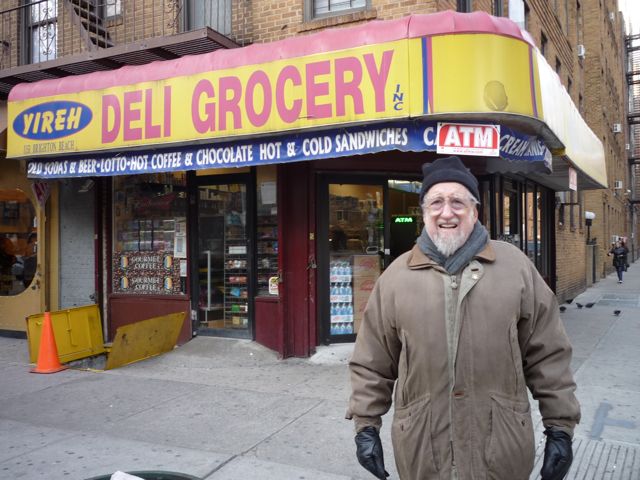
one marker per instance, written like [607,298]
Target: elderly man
[461,325]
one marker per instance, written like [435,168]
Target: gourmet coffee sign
[145,273]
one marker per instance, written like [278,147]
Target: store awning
[447,67]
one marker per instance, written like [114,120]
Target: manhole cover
[152,475]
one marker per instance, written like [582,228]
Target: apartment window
[543,44]
[207,13]
[579,23]
[325,8]
[498,10]
[558,66]
[581,103]
[569,85]
[464,6]
[526,16]
[41,31]
[112,8]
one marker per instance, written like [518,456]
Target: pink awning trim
[377,31]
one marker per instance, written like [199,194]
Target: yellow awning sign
[300,83]
[446,66]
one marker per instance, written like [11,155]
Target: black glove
[369,452]
[558,455]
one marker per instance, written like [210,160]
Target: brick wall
[570,261]
[9,23]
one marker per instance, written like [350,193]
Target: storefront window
[149,233]
[531,227]
[267,232]
[510,221]
[18,242]
[485,204]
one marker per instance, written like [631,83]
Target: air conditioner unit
[612,16]
[581,51]
[617,128]
[617,185]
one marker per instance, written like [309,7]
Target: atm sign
[469,139]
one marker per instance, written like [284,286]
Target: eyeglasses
[456,204]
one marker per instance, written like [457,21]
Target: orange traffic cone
[48,361]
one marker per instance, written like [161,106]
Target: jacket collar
[417,259]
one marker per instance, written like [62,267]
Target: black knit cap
[448,169]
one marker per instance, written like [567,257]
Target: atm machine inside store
[404,231]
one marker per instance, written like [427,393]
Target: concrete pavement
[222,409]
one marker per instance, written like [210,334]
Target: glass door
[364,225]
[351,254]
[223,265]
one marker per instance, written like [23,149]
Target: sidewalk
[225,409]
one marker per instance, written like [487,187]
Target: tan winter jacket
[461,352]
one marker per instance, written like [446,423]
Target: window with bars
[464,6]
[325,8]
[41,31]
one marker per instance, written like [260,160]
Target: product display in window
[267,253]
[223,268]
[149,219]
[236,300]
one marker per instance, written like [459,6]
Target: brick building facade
[605,108]
[582,40]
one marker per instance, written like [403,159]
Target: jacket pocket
[413,447]
[510,451]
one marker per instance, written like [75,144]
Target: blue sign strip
[411,136]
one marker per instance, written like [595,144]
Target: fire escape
[48,39]
[88,20]
[632,43]
[633,82]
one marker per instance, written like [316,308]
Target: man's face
[449,216]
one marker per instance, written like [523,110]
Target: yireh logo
[469,139]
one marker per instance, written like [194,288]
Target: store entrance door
[363,226]
[223,291]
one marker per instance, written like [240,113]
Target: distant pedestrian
[619,253]
[457,329]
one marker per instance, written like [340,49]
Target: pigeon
[562,308]
[590,304]
[569,300]
[579,305]
[617,312]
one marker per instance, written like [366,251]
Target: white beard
[447,245]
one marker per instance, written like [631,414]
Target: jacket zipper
[454,310]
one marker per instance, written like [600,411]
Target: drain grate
[620,300]
[593,459]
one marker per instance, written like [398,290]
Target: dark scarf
[461,257]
